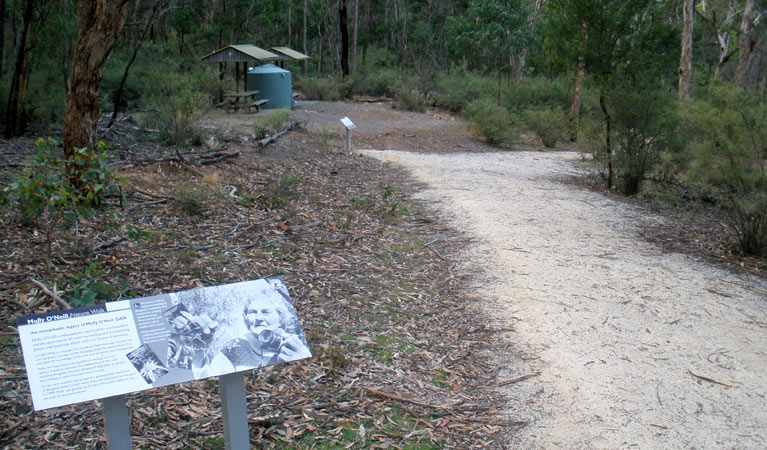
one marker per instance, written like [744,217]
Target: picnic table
[235,101]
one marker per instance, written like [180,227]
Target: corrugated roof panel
[290,53]
[241,53]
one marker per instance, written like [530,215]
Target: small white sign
[348,123]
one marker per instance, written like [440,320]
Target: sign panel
[131,345]
[348,123]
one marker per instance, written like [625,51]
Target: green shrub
[458,88]
[644,123]
[495,123]
[728,159]
[177,102]
[548,124]
[267,125]
[324,89]
[277,193]
[538,93]
[42,190]
[409,99]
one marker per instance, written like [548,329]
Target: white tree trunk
[685,62]
[746,44]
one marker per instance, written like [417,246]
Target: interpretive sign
[348,123]
[131,345]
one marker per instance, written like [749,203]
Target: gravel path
[634,347]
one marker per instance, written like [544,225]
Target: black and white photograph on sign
[235,327]
[147,363]
[190,337]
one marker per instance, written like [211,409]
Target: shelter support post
[234,409]
[116,422]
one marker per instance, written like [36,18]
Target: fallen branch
[49,293]
[378,393]
[272,138]
[710,380]
[518,379]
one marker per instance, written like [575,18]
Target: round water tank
[274,84]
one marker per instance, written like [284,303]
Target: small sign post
[348,124]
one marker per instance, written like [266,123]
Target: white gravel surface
[635,347]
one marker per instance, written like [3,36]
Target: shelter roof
[241,53]
[289,53]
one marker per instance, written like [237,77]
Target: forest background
[668,96]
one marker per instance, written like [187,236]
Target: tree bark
[685,62]
[522,61]
[608,144]
[344,37]
[99,23]
[15,115]
[306,14]
[2,35]
[746,44]
[354,35]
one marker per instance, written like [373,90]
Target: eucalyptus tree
[99,23]
[490,34]
[625,46]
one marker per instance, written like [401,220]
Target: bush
[324,89]
[644,123]
[409,99]
[548,124]
[537,93]
[178,102]
[458,88]
[727,160]
[494,123]
[43,190]
[267,125]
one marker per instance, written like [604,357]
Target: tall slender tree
[746,45]
[685,62]
[99,23]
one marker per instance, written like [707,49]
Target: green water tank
[274,84]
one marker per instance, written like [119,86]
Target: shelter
[245,54]
[288,54]
[273,84]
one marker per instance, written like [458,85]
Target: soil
[454,295]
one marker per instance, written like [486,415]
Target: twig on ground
[710,380]
[50,293]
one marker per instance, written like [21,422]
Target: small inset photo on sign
[147,363]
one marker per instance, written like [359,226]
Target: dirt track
[634,347]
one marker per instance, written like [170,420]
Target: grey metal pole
[348,139]
[116,422]
[234,409]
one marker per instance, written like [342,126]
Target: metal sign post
[348,124]
[234,409]
[116,422]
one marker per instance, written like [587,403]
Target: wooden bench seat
[258,103]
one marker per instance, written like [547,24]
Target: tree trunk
[344,37]
[15,115]
[685,62]
[580,72]
[746,44]
[99,23]
[354,35]
[520,66]
[306,14]
[2,35]
[137,46]
[608,144]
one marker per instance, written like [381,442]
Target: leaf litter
[402,358]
